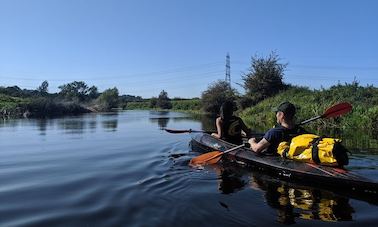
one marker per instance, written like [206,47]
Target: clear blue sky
[144,46]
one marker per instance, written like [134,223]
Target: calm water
[123,170]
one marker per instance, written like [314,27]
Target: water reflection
[110,125]
[207,121]
[72,126]
[295,201]
[291,201]
[80,125]
[42,126]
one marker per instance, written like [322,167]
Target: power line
[142,74]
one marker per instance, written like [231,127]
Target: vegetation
[43,89]
[78,91]
[187,104]
[178,104]
[73,98]
[215,95]
[264,79]
[163,101]
[108,100]
[11,106]
[46,107]
[139,105]
[311,103]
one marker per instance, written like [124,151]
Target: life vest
[314,149]
[232,130]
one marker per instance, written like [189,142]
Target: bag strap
[285,152]
[315,150]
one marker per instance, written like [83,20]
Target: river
[122,169]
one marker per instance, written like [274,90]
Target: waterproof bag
[315,149]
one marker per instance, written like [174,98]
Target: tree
[93,92]
[264,78]
[75,91]
[163,101]
[153,102]
[215,95]
[43,88]
[108,99]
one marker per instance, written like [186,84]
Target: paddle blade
[177,131]
[206,158]
[338,110]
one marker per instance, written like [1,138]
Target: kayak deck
[289,169]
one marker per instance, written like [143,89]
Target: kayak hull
[326,176]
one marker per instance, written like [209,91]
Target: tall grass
[312,103]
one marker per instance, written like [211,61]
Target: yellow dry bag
[314,149]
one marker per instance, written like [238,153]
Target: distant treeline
[179,104]
[73,98]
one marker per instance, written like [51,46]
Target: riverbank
[312,103]
[17,107]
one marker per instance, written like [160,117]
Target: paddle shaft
[178,131]
[309,120]
[224,152]
[333,111]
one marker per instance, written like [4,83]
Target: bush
[108,99]
[215,95]
[264,78]
[46,107]
[163,101]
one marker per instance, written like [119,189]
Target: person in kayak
[285,130]
[230,127]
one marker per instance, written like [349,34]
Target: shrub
[215,95]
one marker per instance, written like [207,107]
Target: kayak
[331,177]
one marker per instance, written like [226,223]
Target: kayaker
[285,130]
[230,127]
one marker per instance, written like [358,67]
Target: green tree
[215,95]
[163,101]
[93,92]
[264,78]
[108,99]
[43,88]
[153,102]
[75,91]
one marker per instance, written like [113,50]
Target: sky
[145,46]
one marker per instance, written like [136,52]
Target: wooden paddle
[214,156]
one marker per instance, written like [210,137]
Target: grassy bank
[311,103]
[12,106]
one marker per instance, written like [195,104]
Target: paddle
[176,131]
[334,111]
[214,156]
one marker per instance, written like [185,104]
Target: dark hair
[227,109]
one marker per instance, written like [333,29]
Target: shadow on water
[291,201]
